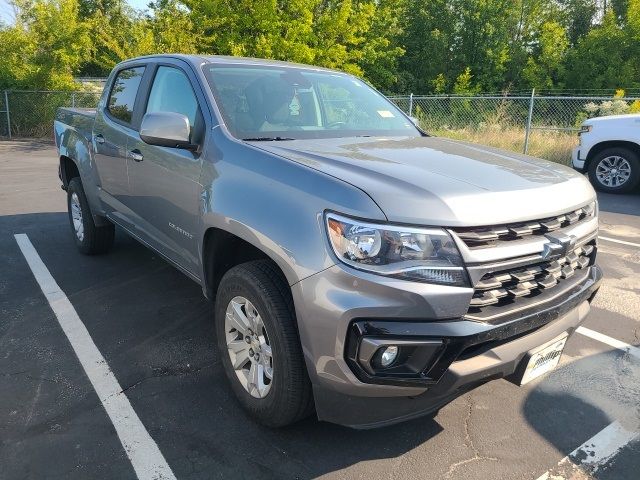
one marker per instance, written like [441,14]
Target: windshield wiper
[267,139]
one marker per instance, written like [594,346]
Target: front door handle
[136,155]
[99,138]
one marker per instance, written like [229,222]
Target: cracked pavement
[155,330]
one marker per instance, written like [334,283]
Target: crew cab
[358,266]
[609,150]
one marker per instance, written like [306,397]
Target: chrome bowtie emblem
[559,245]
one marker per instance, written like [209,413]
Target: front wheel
[615,170]
[259,345]
[90,239]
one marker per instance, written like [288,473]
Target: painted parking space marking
[622,242]
[145,456]
[593,453]
[612,342]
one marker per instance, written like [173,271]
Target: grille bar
[482,236]
[509,285]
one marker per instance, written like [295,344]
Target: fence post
[73,100]
[410,104]
[6,106]
[528,127]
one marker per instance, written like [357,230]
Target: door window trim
[200,96]
[108,114]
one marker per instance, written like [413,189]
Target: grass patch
[550,145]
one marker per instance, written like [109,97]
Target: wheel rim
[249,347]
[613,171]
[76,216]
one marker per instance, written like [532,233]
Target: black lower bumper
[473,353]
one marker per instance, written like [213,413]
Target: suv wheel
[259,345]
[89,238]
[615,170]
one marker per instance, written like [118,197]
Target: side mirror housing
[166,129]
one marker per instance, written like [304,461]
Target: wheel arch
[68,170]
[602,146]
[223,250]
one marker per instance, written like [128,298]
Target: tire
[90,240]
[606,162]
[288,397]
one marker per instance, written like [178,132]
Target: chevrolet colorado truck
[359,267]
[609,151]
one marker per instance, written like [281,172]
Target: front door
[165,188]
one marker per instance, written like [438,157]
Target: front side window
[123,93]
[294,102]
[172,92]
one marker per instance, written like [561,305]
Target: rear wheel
[615,170]
[259,346]
[90,239]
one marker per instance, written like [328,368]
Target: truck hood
[626,118]
[436,181]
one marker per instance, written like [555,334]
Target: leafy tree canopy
[424,46]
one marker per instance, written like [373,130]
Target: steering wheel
[336,124]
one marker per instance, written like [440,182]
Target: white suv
[609,150]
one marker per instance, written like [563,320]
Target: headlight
[419,254]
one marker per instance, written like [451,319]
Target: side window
[172,92]
[123,93]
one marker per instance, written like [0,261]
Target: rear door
[113,125]
[165,182]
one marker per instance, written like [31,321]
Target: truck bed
[78,119]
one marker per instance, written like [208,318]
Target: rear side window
[123,93]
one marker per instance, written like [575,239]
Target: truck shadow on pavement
[627,204]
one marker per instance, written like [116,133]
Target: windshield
[280,103]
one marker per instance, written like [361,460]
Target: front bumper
[474,353]
[576,160]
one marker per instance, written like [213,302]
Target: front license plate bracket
[542,360]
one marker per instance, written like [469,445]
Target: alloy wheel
[76,216]
[613,171]
[249,347]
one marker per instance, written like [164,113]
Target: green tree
[546,67]
[607,57]
[37,52]
[428,32]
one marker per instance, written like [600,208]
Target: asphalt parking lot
[154,329]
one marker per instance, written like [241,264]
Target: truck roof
[197,60]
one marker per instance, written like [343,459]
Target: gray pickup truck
[359,267]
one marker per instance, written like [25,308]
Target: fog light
[389,356]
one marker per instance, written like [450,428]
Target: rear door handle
[136,155]
[99,138]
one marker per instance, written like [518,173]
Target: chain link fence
[30,114]
[543,126]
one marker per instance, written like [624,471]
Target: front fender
[277,205]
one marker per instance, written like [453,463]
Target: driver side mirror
[166,129]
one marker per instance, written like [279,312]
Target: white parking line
[593,453]
[615,240]
[635,351]
[145,456]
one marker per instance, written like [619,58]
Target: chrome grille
[504,287]
[477,237]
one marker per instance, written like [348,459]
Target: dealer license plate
[543,361]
